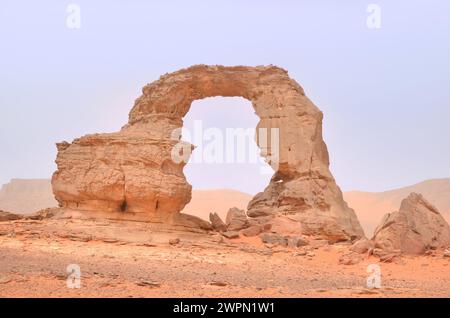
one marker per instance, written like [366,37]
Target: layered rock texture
[416,227]
[133,171]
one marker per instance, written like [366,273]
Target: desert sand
[126,259]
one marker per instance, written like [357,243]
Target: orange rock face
[132,171]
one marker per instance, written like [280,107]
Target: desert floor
[129,259]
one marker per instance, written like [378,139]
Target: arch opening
[226,168]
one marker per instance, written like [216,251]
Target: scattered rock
[416,227]
[273,238]
[300,253]
[431,253]
[385,255]
[231,234]
[217,238]
[318,243]
[217,223]
[79,237]
[174,241]
[110,240]
[447,253]
[253,230]
[351,258]
[146,283]
[297,241]
[219,283]
[362,246]
[236,220]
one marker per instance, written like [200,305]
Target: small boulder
[386,255]
[300,252]
[274,239]
[174,241]
[236,220]
[231,234]
[362,246]
[297,241]
[253,230]
[217,223]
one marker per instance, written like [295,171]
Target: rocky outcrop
[7,216]
[134,172]
[416,227]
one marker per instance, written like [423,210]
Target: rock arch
[131,172]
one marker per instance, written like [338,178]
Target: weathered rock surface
[253,230]
[231,234]
[217,223]
[236,220]
[362,246]
[133,171]
[416,227]
[297,241]
[274,239]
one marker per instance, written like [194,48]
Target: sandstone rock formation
[415,228]
[236,220]
[217,223]
[132,172]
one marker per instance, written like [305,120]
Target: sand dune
[27,196]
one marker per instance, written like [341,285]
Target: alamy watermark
[373,20]
[73,276]
[73,19]
[374,278]
[234,145]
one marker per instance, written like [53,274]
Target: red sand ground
[128,260]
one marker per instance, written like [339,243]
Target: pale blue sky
[385,93]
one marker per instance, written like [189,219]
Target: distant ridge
[26,196]
[372,206]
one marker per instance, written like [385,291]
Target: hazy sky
[385,93]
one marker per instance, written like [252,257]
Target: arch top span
[133,168]
[173,93]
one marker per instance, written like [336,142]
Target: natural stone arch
[131,171]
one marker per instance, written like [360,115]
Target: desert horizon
[370,207]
